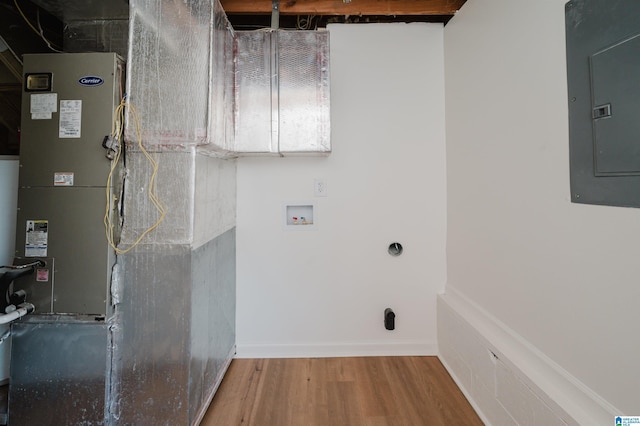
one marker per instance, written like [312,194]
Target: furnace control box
[68,107]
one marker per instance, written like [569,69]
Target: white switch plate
[320,187]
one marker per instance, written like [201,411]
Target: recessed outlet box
[300,216]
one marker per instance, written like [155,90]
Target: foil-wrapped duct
[282,92]
[179,73]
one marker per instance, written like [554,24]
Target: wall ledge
[563,393]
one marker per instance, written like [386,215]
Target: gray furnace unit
[60,354]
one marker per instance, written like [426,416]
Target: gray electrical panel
[68,108]
[603,65]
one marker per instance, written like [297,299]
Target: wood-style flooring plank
[359,391]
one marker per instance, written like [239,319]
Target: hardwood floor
[361,391]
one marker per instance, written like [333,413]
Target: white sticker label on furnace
[37,238]
[44,104]
[63,179]
[41,116]
[70,119]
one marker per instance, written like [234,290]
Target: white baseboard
[467,395]
[327,350]
[505,377]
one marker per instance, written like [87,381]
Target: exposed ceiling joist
[11,63]
[345,7]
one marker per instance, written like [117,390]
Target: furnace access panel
[68,108]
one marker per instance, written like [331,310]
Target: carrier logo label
[90,80]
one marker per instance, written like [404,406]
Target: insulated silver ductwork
[197,95]
[196,82]
[282,92]
[172,51]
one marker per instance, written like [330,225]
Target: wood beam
[345,7]
[13,65]
[11,87]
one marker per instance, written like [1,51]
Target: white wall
[9,203]
[323,292]
[8,211]
[563,276]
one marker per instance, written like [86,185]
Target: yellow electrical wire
[24,17]
[116,133]
[35,30]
